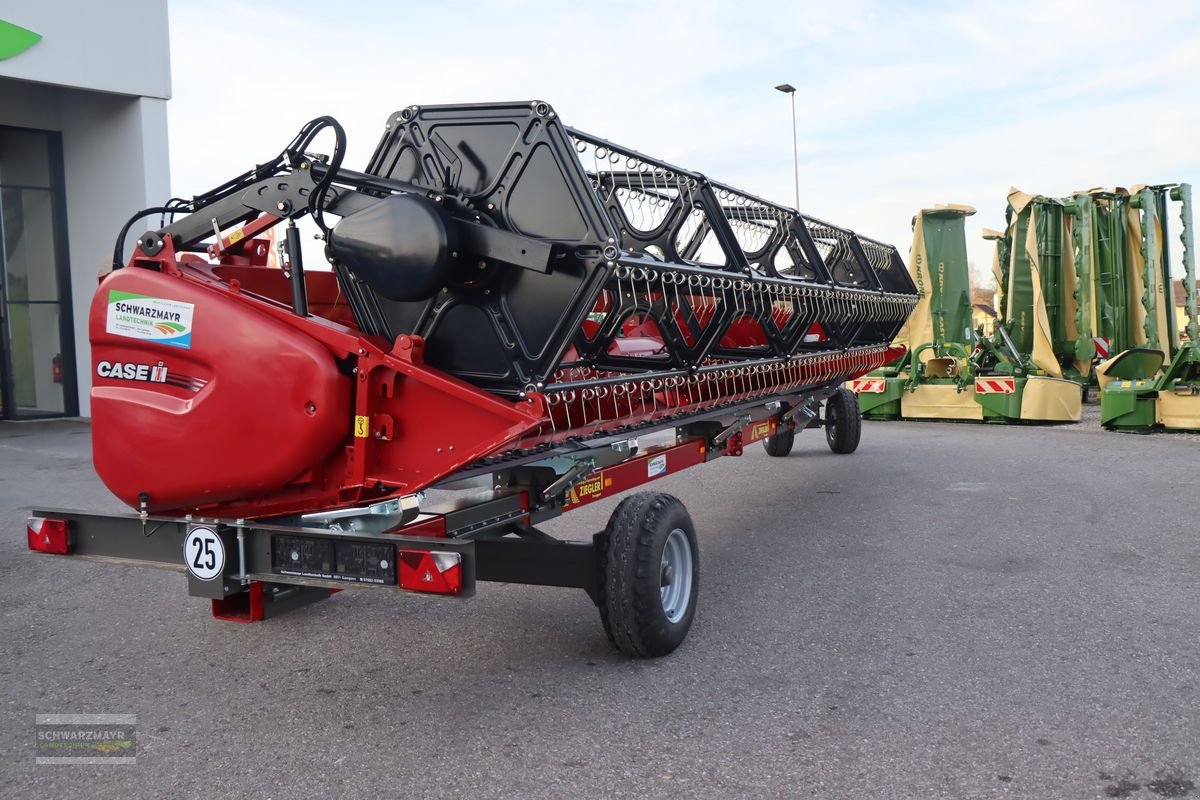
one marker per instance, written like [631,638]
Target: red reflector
[434,571]
[48,535]
[894,353]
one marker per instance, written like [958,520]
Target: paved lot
[955,611]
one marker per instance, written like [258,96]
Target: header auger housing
[501,286]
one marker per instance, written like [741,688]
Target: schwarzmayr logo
[15,40]
[85,739]
[140,316]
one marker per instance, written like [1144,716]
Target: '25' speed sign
[204,553]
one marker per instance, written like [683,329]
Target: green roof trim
[15,40]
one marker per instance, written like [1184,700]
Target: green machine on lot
[1137,392]
[1123,283]
[1038,284]
[953,372]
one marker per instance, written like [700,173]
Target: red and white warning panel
[995,385]
[1103,346]
[868,385]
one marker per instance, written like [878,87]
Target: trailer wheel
[649,575]
[843,421]
[781,443]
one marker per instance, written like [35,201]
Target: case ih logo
[146,373]
[15,40]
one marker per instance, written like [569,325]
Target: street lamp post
[790,90]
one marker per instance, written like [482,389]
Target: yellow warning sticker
[361,427]
[237,236]
[760,430]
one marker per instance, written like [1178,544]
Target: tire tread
[628,594]
[848,432]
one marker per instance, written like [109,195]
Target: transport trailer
[525,315]
[642,570]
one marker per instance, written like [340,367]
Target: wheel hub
[676,575]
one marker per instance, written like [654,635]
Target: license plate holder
[331,560]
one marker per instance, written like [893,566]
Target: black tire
[631,597]
[843,421]
[781,443]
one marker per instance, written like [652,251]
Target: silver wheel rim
[676,575]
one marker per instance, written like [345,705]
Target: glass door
[37,370]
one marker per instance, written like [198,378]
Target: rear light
[46,535]
[434,571]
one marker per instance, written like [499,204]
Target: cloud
[899,105]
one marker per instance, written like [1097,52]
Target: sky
[899,105]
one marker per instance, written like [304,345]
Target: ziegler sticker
[146,373]
[656,466]
[590,489]
[139,316]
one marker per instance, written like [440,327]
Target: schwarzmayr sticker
[139,316]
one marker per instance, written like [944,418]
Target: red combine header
[521,312]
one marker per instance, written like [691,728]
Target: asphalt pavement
[955,611]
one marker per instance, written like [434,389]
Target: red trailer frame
[484,534]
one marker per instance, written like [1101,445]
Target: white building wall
[29,105]
[100,76]
[115,162]
[104,45]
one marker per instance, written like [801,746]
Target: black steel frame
[615,254]
[553,242]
